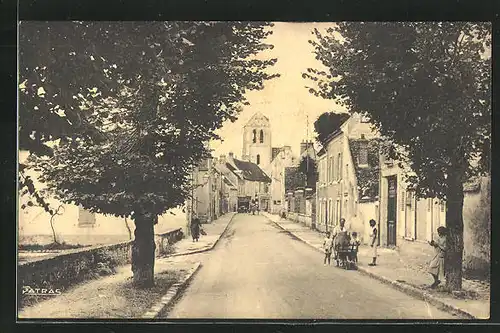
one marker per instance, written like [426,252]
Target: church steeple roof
[258,119]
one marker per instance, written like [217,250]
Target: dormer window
[261,136]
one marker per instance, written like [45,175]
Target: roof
[275,152]
[257,116]
[250,171]
[337,130]
[228,182]
[367,176]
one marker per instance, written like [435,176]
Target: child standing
[355,242]
[373,241]
[436,266]
[327,246]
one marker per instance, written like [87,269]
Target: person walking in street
[436,266]
[373,241]
[195,229]
[327,246]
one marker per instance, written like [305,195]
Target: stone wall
[64,270]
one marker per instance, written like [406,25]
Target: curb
[417,293]
[407,289]
[172,293]
[207,248]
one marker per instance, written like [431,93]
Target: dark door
[392,201]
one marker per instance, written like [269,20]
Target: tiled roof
[250,171]
[367,176]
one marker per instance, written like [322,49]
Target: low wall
[74,266]
[165,240]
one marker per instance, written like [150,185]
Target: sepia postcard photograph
[254,170]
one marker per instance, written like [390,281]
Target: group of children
[341,238]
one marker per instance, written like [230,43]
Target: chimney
[222,159]
[245,158]
[231,156]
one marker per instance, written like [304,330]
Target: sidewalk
[393,268]
[206,242]
[111,296]
[114,297]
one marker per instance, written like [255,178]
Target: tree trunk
[143,251]
[53,230]
[455,238]
[128,229]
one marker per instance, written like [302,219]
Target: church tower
[257,140]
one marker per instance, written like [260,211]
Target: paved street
[260,271]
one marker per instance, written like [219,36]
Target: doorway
[391,210]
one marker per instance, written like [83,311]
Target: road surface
[259,271]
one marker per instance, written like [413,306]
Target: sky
[284,100]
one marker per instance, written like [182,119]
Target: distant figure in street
[436,266]
[195,229]
[373,241]
[355,242]
[340,237]
[327,246]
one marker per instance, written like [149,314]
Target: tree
[151,94]
[426,87]
[307,167]
[327,123]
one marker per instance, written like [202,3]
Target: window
[330,212]
[254,140]
[339,166]
[85,218]
[429,203]
[441,204]
[261,136]
[328,165]
[332,169]
[258,159]
[363,154]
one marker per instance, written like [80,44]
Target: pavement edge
[409,290]
[205,249]
[172,293]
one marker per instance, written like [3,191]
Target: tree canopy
[327,123]
[137,103]
[426,87]
[307,167]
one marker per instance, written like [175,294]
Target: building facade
[282,158]
[348,178]
[300,190]
[408,223]
[76,225]
[253,184]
